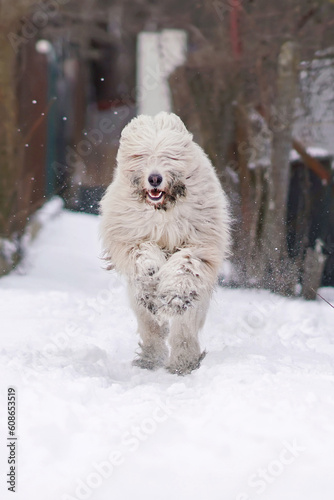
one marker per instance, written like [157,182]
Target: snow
[9,248]
[314,110]
[329,51]
[255,421]
[260,141]
[313,151]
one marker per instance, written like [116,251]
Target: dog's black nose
[155,180]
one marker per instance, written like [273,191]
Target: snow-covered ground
[255,421]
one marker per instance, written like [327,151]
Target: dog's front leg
[184,289]
[147,259]
[183,280]
[153,351]
[185,352]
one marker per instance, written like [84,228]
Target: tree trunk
[8,134]
[11,146]
[274,240]
[314,265]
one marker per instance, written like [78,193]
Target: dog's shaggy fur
[165,226]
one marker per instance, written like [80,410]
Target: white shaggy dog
[165,226]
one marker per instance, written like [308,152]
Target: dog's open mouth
[155,195]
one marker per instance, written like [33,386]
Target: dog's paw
[147,364]
[177,303]
[146,293]
[149,259]
[151,357]
[150,268]
[182,366]
[149,302]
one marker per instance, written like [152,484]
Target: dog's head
[155,156]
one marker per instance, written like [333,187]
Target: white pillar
[158,54]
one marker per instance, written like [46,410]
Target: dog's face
[155,157]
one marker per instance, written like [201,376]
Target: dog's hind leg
[153,351]
[186,354]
